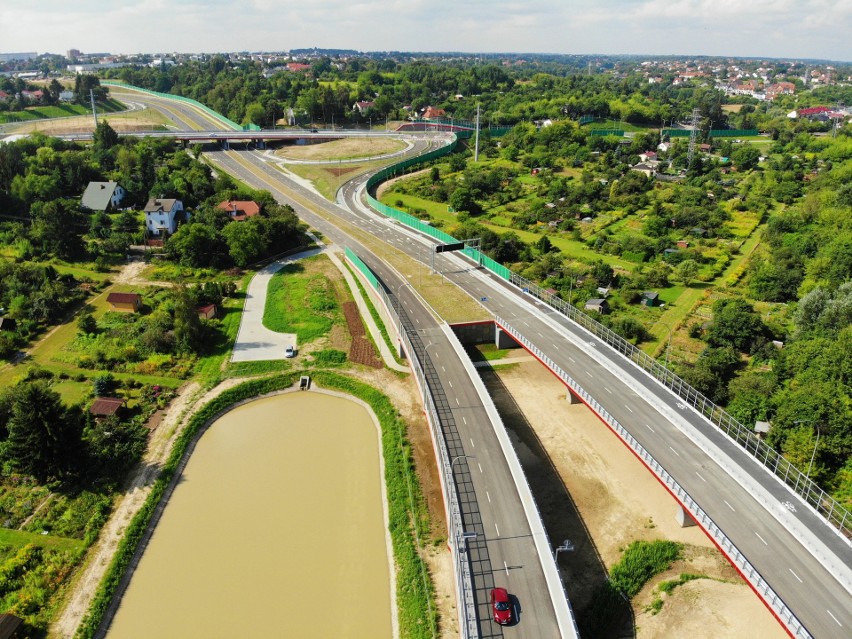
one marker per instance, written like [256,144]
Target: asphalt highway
[805,562]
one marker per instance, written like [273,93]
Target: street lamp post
[816,443]
[669,343]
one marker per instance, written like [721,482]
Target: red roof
[240,209]
[297,66]
[124,298]
[814,110]
[105,406]
[433,112]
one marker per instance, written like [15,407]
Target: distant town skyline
[792,29]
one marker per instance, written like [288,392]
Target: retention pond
[276,528]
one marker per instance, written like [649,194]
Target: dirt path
[189,399]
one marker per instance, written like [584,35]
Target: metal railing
[464,579]
[772,599]
[824,504]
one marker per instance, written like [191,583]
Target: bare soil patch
[361,351]
[337,171]
[606,499]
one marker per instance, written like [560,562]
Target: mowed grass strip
[344,149]
[304,305]
[20,538]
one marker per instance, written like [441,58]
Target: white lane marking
[539,334]
[674,451]
[526,324]
[497,529]
[507,574]
[464,419]
[795,575]
[731,507]
[649,428]
[555,347]
[572,360]
[761,538]
[607,390]
[628,408]
[700,477]
[450,382]
[480,466]
[472,445]
[443,369]
[835,618]
[457,402]
[590,375]
[487,494]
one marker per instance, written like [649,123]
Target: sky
[820,29]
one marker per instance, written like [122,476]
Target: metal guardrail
[773,600]
[464,578]
[824,504]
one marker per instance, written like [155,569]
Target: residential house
[240,210]
[66,96]
[779,88]
[663,147]
[124,302]
[298,67]
[648,156]
[433,112]
[103,196]
[104,407]
[646,169]
[362,106]
[597,304]
[162,215]
[682,244]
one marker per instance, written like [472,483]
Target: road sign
[443,248]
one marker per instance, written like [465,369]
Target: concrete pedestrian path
[254,341]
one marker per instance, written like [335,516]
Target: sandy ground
[619,501]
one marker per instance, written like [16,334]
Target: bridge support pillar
[572,397]
[400,350]
[226,145]
[261,144]
[502,339]
[684,518]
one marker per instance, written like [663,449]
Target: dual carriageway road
[806,563]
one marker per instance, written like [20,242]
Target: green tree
[113,446]
[44,436]
[189,332]
[104,137]
[686,271]
[736,324]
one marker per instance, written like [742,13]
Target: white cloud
[767,28]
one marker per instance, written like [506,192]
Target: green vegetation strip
[406,506]
[640,562]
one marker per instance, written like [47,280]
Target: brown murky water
[276,529]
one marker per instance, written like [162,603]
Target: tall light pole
[456,458]
[816,443]
[669,343]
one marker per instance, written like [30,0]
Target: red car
[500,606]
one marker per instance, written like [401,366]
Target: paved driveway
[255,342]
